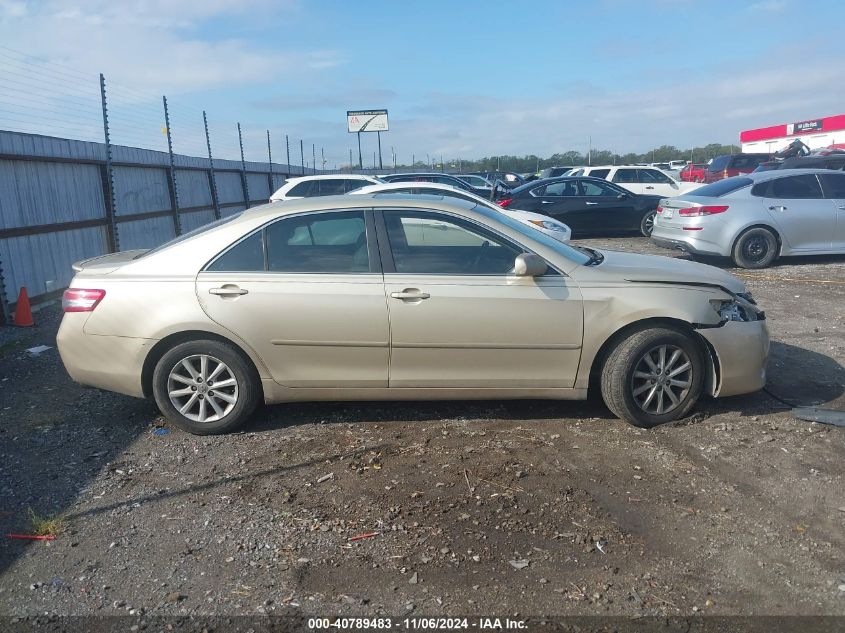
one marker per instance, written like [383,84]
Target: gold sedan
[400,297]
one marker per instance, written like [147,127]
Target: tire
[206,411]
[647,223]
[627,389]
[756,248]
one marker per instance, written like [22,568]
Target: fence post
[270,158]
[287,149]
[301,157]
[313,158]
[5,317]
[244,183]
[171,173]
[107,177]
[212,181]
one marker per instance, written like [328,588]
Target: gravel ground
[467,507]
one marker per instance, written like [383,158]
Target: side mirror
[622,196]
[529,265]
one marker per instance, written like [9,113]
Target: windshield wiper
[596,257]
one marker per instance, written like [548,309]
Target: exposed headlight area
[741,308]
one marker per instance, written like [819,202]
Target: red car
[729,165]
[693,172]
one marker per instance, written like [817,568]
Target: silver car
[379,297]
[758,217]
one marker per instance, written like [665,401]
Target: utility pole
[301,157]
[313,158]
[350,160]
[590,151]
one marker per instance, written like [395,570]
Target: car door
[656,183]
[606,207]
[806,219]
[459,319]
[628,179]
[559,200]
[833,185]
[306,293]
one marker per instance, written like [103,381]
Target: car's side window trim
[374,261]
[389,265]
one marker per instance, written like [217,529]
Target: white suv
[326,185]
[648,181]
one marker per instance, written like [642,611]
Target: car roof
[761,176]
[328,176]
[358,201]
[421,173]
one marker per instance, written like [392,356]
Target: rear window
[720,163]
[722,187]
[190,234]
[305,189]
[747,162]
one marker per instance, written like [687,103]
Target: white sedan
[549,226]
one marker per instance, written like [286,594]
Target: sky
[460,79]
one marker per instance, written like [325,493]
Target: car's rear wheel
[653,376]
[647,223]
[205,387]
[756,248]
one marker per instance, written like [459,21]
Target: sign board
[366,120]
[804,126]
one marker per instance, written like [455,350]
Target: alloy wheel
[202,388]
[661,379]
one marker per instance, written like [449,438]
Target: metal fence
[89,167]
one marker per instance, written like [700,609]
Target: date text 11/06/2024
[422,623]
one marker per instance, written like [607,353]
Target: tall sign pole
[358,121]
[360,158]
[380,165]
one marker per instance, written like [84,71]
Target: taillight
[504,202]
[659,210]
[697,212]
[81,299]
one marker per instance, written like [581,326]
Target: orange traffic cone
[23,312]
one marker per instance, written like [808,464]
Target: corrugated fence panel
[229,187]
[140,190]
[33,260]
[196,219]
[193,188]
[259,186]
[147,233]
[226,211]
[35,192]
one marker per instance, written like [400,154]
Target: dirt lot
[495,507]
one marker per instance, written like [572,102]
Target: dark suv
[729,165]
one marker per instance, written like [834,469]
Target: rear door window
[805,186]
[720,163]
[599,173]
[747,162]
[567,188]
[332,187]
[625,175]
[305,189]
[334,242]
[652,176]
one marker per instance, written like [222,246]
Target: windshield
[577,256]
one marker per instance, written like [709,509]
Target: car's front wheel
[647,223]
[205,387]
[653,376]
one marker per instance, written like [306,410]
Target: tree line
[533,163]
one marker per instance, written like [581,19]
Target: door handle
[592,203]
[410,294]
[227,291]
[649,187]
[777,208]
[842,208]
[547,202]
